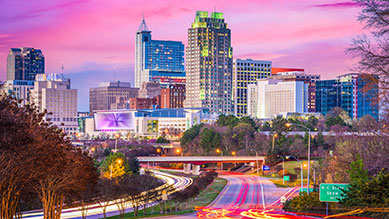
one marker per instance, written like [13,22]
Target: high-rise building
[359,95]
[149,90]
[143,103]
[327,95]
[19,89]
[309,79]
[209,64]
[173,96]
[245,72]
[54,94]
[273,97]
[157,59]
[109,95]
[25,63]
[355,93]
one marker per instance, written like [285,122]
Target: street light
[118,162]
[178,151]
[233,153]
[301,171]
[309,147]
[274,138]
[116,141]
[283,168]
[256,160]
[221,153]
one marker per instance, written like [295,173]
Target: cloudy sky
[95,38]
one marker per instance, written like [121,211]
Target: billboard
[114,120]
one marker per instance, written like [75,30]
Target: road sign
[283,199]
[265,168]
[331,192]
[286,178]
[305,190]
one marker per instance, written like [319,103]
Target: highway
[95,212]
[246,196]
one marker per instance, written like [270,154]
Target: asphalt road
[245,196]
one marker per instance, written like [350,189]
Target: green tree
[278,125]
[209,139]
[229,120]
[191,134]
[133,165]
[161,139]
[115,165]
[248,120]
[365,191]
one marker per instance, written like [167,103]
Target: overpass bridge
[196,161]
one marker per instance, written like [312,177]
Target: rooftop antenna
[63,68]
[214,8]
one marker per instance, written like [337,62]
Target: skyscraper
[25,63]
[247,71]
[157,59]
[327,95]
[111,95]
[53,93]
[359,95]
[274,96]
[209,64]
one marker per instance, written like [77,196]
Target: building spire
[143,27]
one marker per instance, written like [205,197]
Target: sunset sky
[95,38]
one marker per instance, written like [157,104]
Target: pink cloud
[337,5]
[82,32]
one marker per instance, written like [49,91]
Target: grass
[203,199]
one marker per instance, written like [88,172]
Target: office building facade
[155,59]
[359,95]
[209,64]
[173,96]
[111,95]
[274,96]
[54,94]
[327,95]
[149,90]
[245,72]
[25,63]
[19,89]
[309,79]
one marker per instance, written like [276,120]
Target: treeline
[39,168]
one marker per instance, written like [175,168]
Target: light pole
[301,171]
[274,139]
[309,147]
[221,154]
[116,141]
[283,168]
[178,151]
[256,160]
[118,162]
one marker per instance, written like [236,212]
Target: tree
[105,193]
[134,166]
[373,49]
[248,120]
[115,165]
[48,166]
[278,125]
[365,191]
[209,139]
[190,134]
[162,140]
[229,120]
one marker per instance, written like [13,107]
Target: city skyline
[94,40]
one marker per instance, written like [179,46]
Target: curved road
[246,196]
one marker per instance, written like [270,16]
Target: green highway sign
[331,192]
[286,178]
